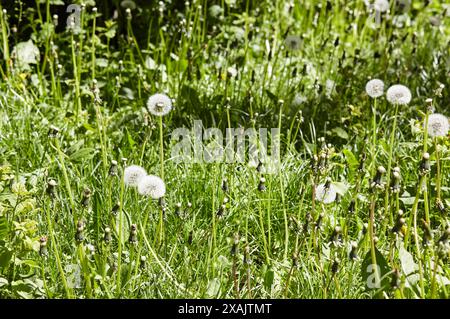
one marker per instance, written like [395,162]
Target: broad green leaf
[407,262]
[5,256]
[272,96]
[213,288]
[368,272]
[3,227]
[3,282]
[341,188]
[340,132]
[83,154]
[407,200]
[351,158]
[268,278]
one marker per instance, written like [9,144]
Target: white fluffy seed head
[159,104]
[398,94]
[326,195]
[438,125]
[152,186]
[133,174]
[375,88]
[381,5]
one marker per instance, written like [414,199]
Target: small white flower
[325,194]
[375,88]
[398,94]
[133,174]
[381,5]
[438,125]
[159,104]
[152,186]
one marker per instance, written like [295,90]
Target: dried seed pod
[335,266]
[86,197]
[362,161]
[190,237]
[377,183]
[336,237]
[395,181]
[262,186]
[427,234]
[247,259]
[79,235]
[353,252]
[53,131]
[107,236]
[143,263]
[225,185]
[115,209]
[319,220]
[51,188]
[43,246]
[133,234]
[365,228]
[425,166]
[113,168]
[395,281]
[294,260]
[352,206]
[440,206]
[259,168]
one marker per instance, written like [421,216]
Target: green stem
[56,252]
[388,172]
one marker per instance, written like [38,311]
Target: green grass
[240,242]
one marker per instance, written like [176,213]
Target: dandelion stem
[391,149]
[372,239]
[56,252]
[119,250]
[374,132]
[438,170]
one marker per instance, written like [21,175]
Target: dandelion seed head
[326,193]
[398,94]
[133,174]
[381,5]
[381,169]
[438,125]
[375,88]
[159,104]
[128,4]
[152,186]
